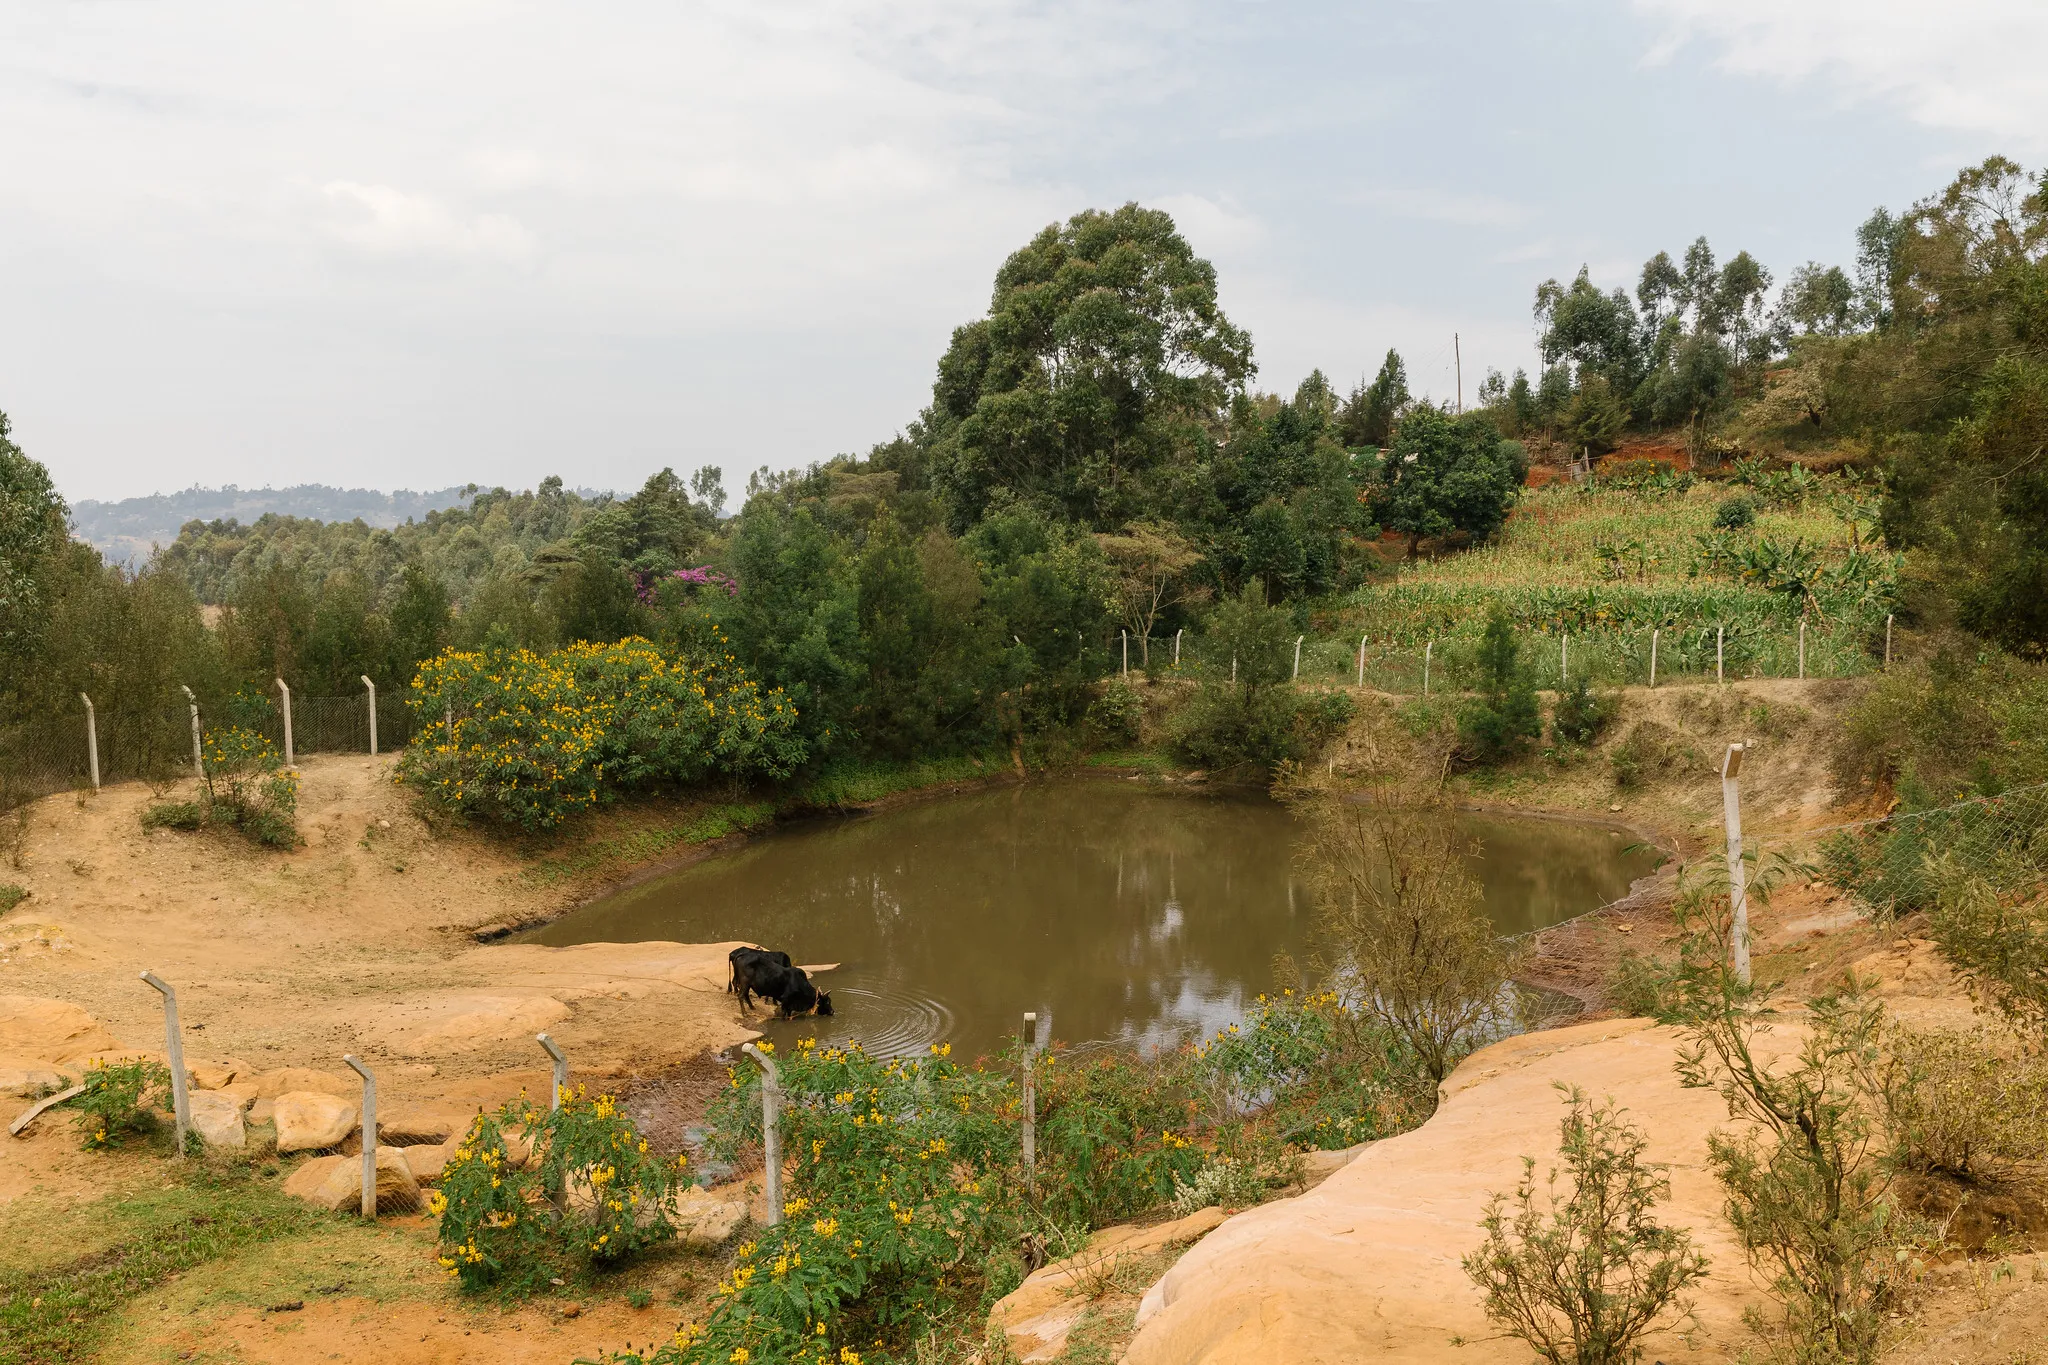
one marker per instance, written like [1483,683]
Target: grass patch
[855,784]
[1143,760]
[58,1295]
[631,847]
[11,896]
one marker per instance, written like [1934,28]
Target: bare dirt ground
[358,942]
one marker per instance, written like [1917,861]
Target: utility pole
[1458,359]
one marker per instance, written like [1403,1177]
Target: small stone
[217,1118]
[571,1310]
[307,1121]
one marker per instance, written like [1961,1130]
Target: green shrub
[11,896]
[1735,514]
[1808,1197]
[246,787]
[1962,1101]
[1640,987]
[120,1098]
[1117,715]
[1112,1135]
[1583,1279]
[1649,751]
[180,815]
[1319,1073]
[1582,715]
[1257,728]
[1498,724]
[538,737]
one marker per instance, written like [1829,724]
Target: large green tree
[1447,474]
[1104,361]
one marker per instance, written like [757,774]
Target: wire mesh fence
[1605,658]
[1897,864]
[45,754]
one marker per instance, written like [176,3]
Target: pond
[1117,909]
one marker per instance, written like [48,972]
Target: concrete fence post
[1176,645]
[1564,660]
[1888,642]
[198,761]
[561,1080]
[1738,877]
[1427,650]
[174,1057]
[448,724]
[373,713]
[1653,657]
[1361,661]
[1297,656]
[1127,652]
[369,1205]
[1802,651]
[1233,670]
[1031,1103]
[92,740]
[771,1133]
[285,696]
[1720,649]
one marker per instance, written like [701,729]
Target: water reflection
[1120,909]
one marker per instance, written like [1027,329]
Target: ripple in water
[886,1019]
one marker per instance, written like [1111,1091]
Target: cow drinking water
[771,975]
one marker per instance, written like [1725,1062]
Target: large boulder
[397,1190]
[50,1030]
[428,1161]
[308,1120]
[707,1221]
[217,1073]
[217,1118]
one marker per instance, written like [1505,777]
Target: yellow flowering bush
[537,737]
[118,1100]
[247,786]
[493,1218]
[616,1195]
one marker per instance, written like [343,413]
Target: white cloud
[1432,205]
[1967,66]
[1213,227]
[388,222]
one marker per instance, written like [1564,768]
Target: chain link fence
[1896,864]
[1605,658]
[45,754]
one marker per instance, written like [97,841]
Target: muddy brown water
[1117,909]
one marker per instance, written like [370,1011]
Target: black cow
[771,976]
[742,960]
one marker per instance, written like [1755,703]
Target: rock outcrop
[1366,1265]
[51,1030]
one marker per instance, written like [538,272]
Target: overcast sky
[413,244]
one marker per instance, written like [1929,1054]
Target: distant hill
[125,531]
